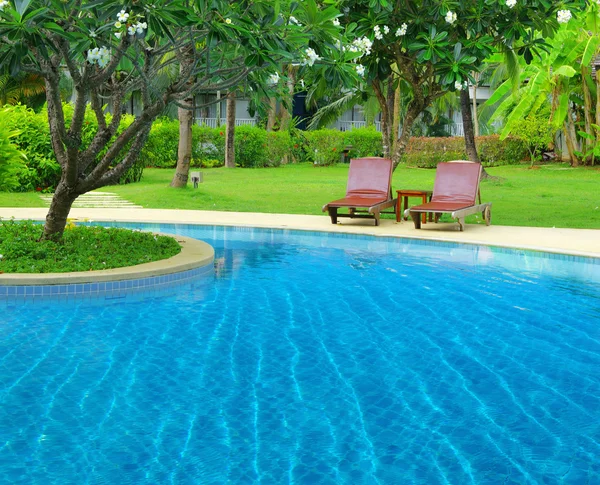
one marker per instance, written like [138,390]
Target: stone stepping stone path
[94,199]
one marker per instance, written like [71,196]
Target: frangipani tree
[111,49]
[435,46]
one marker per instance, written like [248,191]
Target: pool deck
[579,242]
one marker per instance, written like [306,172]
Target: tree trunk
[286,113]
[272,116]
[587,107]
[475,115]
[218,110]
[597,108]
[465,108]
[230,131]
[469,132]
[56,219]
[413,111]
[385,118]
[391,101]
[569,129]
[396,116]
[184,148]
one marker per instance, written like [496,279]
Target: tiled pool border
[133,289]
[151,285]
[505,249]
[194,261]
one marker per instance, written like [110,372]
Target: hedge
[427,152]
[254,147]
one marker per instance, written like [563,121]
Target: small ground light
[196,178]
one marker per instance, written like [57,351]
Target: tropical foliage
[11,159]
[111,49]
[560,77]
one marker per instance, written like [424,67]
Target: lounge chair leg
[437,217]
[376,215]
[487,216]
[333,214]
[461,223]
[416,217]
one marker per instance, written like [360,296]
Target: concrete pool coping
[575,242]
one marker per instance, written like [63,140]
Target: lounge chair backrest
[456,182]
[369,177]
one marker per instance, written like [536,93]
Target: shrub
[299,146]
[494,151]
[41,168]
[427,152]
[208,145]
[160,150]
[279,144]
[11,159]
[325,146]
[365,142]
[251,146]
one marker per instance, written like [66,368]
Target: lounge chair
[368,192]
[455,192]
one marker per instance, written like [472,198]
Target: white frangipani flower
[401,30]
[228,21]
[386,29]
[118,35]
[363,45]
[336,22]
[293,20]
[122,16]
[273,78]
[311,56]
[458,86]
[360,70]
[99,56]
[378,34]
[450,17]
[3,5]
[511,3]
[563,16]
[140,27]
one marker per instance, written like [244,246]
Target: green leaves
[432,46]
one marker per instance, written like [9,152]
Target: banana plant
[562,77]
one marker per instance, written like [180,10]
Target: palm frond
[330,113]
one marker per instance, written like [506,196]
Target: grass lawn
[20,199]
[551,195]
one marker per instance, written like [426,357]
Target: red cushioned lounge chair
[455,192]
[369,190]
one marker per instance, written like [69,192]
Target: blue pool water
[312,358]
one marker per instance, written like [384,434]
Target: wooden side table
[404,195]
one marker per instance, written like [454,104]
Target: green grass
[552,196]
[81,249]
[20,199]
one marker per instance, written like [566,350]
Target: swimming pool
[314,358]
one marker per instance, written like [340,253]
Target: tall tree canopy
[436,45]
[167,50]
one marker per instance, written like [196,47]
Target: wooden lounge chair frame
[363,199]
[457,210]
